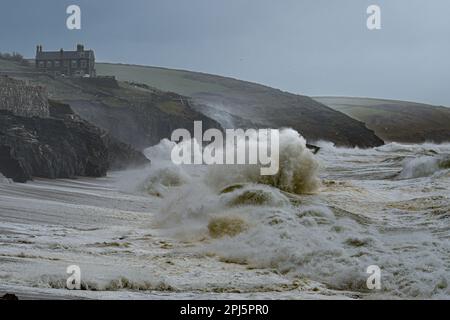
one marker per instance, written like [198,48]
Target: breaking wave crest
[298,168]
[424,166]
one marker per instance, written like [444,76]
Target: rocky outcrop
[10,297]
[121,155]
[63,147]
[50,148]
[22,99]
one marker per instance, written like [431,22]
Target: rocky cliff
[42,138]
[120,155]
[143,110]
[241,104]
[58,148]
[136,115]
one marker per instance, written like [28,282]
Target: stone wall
[22,99]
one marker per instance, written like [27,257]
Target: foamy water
[171,231]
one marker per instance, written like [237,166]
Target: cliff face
[136,115]
[49,148]
[58,148]
[141,117]
[22,99]
[240,104]
[120,155]
[42,138]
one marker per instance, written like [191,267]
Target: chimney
[61,52]
[80,48]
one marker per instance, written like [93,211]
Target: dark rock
[59,110]
[11,167]
[63,147]
[10,297]
[139,118]
[313,148]
[121,155]
[105,82]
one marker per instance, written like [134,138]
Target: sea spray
[298,168]
[194,194]
[424,166]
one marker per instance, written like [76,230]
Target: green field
[181,82]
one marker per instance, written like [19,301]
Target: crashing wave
[298,168]
[424,166]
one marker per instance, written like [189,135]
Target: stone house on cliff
[79,63]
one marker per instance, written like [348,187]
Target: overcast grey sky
[313,47]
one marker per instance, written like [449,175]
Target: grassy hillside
[179,81]
[399,121]
[235,103]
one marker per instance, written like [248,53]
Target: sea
[316,230]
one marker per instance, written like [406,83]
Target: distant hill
[399,121]
[234,103]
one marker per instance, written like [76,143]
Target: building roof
[66,55]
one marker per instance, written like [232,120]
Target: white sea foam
[209,229]
[303,235]
[424,166]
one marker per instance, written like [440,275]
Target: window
[74,63]
[83,64]
[49,64]
[41,64]
[57,64]
[66,63]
